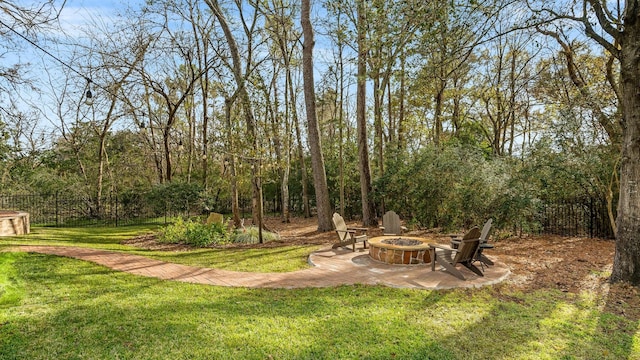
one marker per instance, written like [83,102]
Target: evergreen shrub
[194,233]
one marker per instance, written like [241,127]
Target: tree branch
[602,18]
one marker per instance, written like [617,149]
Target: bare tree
[245,101]
[315,145]
[368,211]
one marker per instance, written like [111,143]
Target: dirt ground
[567,264]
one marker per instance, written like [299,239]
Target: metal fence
[585,217]
[60,210]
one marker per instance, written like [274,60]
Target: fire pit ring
[400,250]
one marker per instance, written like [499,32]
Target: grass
[59,308]
[278,259]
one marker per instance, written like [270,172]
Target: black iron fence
[586,217]
[60,210]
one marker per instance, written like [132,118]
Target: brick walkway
[332,267]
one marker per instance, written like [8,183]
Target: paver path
[332,267]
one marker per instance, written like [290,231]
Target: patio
[332,267]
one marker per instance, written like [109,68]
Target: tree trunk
[272,114]
[191,119]
[437,112]
[368,212]
[202,55]
[626,263]
[303,166]
[341,128]
[167,153]
[378,142]
[230,161]
[317,160]
[400,125]
[303,169]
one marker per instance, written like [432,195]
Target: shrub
[250,236]
[175,197]
[194,233]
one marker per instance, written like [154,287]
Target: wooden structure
[484,244]
[348,235]
[391,224]
[465,254]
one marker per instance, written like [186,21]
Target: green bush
[194,233]
[450,188]
[176,197]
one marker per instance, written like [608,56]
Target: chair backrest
[215,218]
[484,236]
[468,246]
[391,223]
[341,226]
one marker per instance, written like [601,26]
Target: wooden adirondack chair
[484,244]
[347,235]
[465,254]
[484,235]
[391,224]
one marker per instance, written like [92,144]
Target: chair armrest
[443,247]
[455,243]
[350,231]
[357,229]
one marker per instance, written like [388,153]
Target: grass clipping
[249,235]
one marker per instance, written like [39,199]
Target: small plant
[194,233]
[250,236]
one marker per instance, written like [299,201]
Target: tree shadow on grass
[91,312]
[545,323]
[80,309]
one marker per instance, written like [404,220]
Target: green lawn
[60,308]
[278,259]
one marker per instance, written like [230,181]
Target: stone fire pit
[401,250]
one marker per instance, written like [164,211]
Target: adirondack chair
[484,235]
[391,224]
[347,235]
[465,254]
[484,244]
[215,218]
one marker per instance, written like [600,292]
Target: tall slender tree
[317,160]
[250,121]
[368,211]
